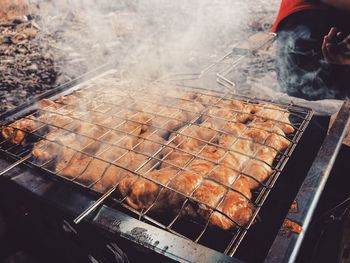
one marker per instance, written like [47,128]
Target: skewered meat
[93,172]
[271,112]
[58,143]
[43,150]
[86,129]
[110,178]
[235,206]
[68,100]
[119,139]
[150,143]
[168,124]
[52,120]
[203,98]
[124,162]
[193,138]
[63,159]
[140,192]
[217,150]
[17,131]
[230,112]
[76,166]
[236,211]
[261,167]
[176,158]
[209,193]
[252,159]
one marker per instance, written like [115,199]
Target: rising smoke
[153,38]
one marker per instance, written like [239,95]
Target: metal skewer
[94,206]
[10,167]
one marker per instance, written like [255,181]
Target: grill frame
[272,179]
[285,247]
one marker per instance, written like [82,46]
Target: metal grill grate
[102,107]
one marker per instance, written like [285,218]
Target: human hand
[334,51]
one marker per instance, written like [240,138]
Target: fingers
[344,46]
[327,44]
[329,39]
[336,47]
[326,50]
[332,35]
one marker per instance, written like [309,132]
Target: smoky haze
[151,37]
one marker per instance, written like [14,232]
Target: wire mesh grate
[196,162]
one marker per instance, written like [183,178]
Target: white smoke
[152,38]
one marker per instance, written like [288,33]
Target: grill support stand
[286,246]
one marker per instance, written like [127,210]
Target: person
[313,48]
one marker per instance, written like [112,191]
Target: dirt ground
[12,9]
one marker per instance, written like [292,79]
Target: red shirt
[289,7]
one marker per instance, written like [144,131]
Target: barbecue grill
[171,236]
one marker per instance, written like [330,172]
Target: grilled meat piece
[124,162]
[86,129]
[209,193]
[43,151]
[164,118]
[205,99]
[17,131]
[236,209]
[175,158]
[200,166]
[232,111]
[193,138]
[258,157]
[270,112]
[58,144]
[140,192]
[218,173]
[52,120]
[138,121]
[134,164]
[249,158]
[111,177]
[113,153]
[120,139]
[149,143]
[232,208]
[186,182]
[93,172]
[63,158]
[226,149]
[86,168]
[76,166]
[45,103]
[68,100]
[261,167]
[226,127]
